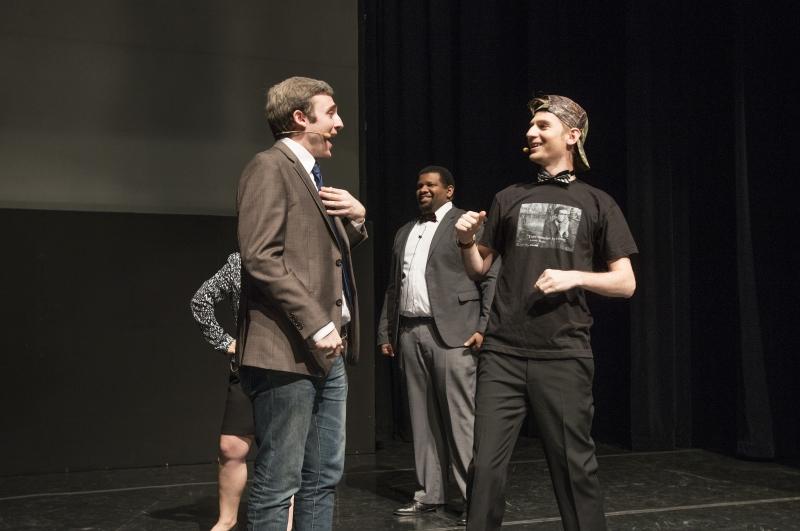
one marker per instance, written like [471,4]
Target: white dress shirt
[308,161]
[414,301]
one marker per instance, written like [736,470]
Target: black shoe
[414,508]
[462,520]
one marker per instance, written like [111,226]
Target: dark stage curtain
[708,174]
[693,128]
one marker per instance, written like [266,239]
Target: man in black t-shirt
[537,351]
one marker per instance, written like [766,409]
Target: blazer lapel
[302,174]
[444,227]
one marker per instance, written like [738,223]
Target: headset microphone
[326,136]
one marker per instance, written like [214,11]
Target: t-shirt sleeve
[492,236]
[614,238]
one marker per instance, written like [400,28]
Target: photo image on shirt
[548,225]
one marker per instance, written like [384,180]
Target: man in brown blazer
[299,310]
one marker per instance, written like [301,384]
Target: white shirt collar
[302,154]
[442,210]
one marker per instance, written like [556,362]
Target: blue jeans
[300,432]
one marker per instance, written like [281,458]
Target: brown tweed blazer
[291,266]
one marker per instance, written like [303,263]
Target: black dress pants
[559,395]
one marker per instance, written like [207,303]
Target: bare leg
[233,450]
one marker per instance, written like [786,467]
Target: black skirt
[238,417]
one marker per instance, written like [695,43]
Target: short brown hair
[290,95]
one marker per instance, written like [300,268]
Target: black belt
[411,321]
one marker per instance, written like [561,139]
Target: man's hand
[387,350]
[556,281]
[468,224]
[231,347]
[330,345]
[474,342]
[340,203]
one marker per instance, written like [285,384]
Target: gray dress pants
[441,397]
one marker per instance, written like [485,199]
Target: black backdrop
[692,131]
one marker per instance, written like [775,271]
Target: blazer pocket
[469,295]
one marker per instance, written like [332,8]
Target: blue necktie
[317,174]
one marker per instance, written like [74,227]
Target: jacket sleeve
[215,289]
[390,297]
[383,322]
[263,207]
[356,235]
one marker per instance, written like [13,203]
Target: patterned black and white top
[225,284]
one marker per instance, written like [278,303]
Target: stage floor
[685,489]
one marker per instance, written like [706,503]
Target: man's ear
[573,135]
[300,118]
[450,191]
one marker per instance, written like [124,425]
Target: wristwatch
[466,245]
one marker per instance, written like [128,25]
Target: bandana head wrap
[572,115]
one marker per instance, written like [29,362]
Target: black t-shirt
[548,226]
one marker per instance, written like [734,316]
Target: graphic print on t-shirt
[548,225]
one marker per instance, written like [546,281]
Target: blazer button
[338,302]
[339,262]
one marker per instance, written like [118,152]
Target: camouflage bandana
[572,115]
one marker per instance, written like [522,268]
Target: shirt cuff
[357,226]
[227,342]
[324,331]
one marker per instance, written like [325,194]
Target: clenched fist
[468,225]
[556,281]
[330,345]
